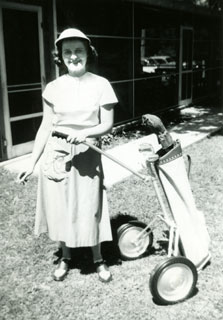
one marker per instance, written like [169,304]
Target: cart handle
[64,136]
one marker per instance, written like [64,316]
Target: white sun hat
[71,33]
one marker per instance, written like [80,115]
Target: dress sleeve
[49,93]
[108,95]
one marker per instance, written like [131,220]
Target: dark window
[21,54]
[25,130]
[115,61]
[27,102]
[110,17]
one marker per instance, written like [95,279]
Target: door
[185,66]
[22,75]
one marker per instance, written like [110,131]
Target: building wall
[126,32]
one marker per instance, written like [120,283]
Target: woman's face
[74,54]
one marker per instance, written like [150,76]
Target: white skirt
[71,199]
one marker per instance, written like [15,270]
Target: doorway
[22,75]
[185,66]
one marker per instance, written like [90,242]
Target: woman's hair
[91,55]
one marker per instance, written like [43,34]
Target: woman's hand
[25,175]
[77,137]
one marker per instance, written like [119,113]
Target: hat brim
[59,40]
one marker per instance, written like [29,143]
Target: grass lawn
[28,291]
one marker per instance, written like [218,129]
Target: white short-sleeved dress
[71,199]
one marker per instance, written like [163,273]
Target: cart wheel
[130,249]
[173,280]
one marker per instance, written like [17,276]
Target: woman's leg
[66,251]
[101,268]
[63,267]
[96,252]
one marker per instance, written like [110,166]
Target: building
[158,54]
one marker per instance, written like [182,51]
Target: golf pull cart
[175,278]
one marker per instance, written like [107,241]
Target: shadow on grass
[82,257]
[111,250]
[162,303]
[216,133]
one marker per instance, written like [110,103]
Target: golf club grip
[59,135]
[64,136]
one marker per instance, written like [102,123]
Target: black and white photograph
[111,159]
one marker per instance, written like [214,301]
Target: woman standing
[71,199]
